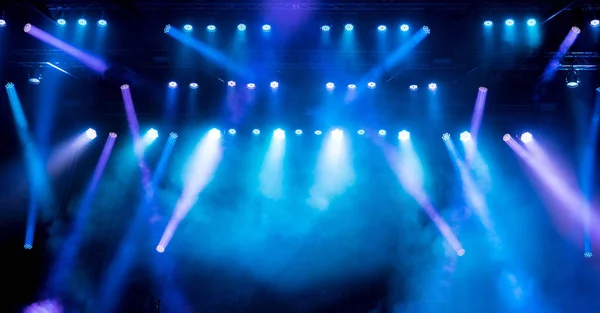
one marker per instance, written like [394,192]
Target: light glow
[279,133]
[91,133]
[404,135]
[526,137]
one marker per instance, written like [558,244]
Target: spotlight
[90,133]
[586,254]
[371,85]
[61,22]
[572,79]
[251,86]
[576,30]
[506,137]
[531,22]
[298,132]
[361,132]
[483,89]
[27,246]
[35,78]
[211,28]
[274,85]
[488,23]
[173,135]
[413,87]
[124,87]
[404,135]
[2,22]
[330,86]
[160,249]
[112,135]
[231,83]
[167,28]
[337,134]
[404,27]
[509,22]
[595,22]
[318,132]
[188,28]
[232,131]
[526,137]
[382,132]
[446,136]
[152,133]
[102,22]
[352,87]
[432,86]
[214,133]
[256,131]
[172,85]
[266,28]
[241,27]
[82,22]
[349,27]
[279,133]
[460,252]
[465,136]
[325,28]
[426,29]
[381,28]
[193,85]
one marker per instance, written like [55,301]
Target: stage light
[232,131]
[82,22]
[61,22]
[413,87]
[325,28]
[330,86]
[241,27]
[337,134]
[2,22]
[587,255]
[102,22]
[124,87]
[160,249]
[572,79]
[531,22]
[173,135]
[509,22]
[483,89]
[595,22]
[211,28]
[404,27]
[460,252]
[188,28]
[34,80]
[298,132]
[432,86]
[35,77]
[382,132]
[27,246]
[381,28]
[349,27]
[152,133]
[575,29]
[279,133]
[251,86]
[371,85]
[352,87]
[404,135]
[361,132]
[90,133]
[488,23]
[446,136]
[274,85]
[318,132]
[506,137]
[214,133]
[193,85]
[256,131]
[465,136]
[172,85]
[266,28]
[426,29]
[526,137]
[231,83]
[112,135]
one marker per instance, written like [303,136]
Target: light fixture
[531,22]
[595,22]
[509,22]
[432,86]
[266,28]
[325,28]
[488,23]
[82,22]
[381,28]
[349,27]
[413,87]
[35,77]
[231,83]
[172,85]
[371,85]
[251,86]
[404,27]
[241,27]
[61,22]
[193,85]
[572,79]
[188,27]
[211,28]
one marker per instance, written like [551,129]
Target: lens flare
[91,133]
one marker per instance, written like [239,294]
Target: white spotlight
[90,133]
[214,133]
[279,133]
[274,85]
[330,86]
[232,131]
[266,28]
[361,132]
[413,87]
[193,85]
[432,86]
[465,136]
[318,132]
[231,83]
[256,131]
[352,87]
[506,137]
[152,134]
[382,132]
[371,85]
[446,136]
[404,135]
[172,85]
[211,28]
[298,132]
[526,137]
[381,28]
[337,134]
[188,27]
[251,86]
[404,27]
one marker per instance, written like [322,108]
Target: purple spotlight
[112,135]
[124,87]
[91,133]
[330,86]
[231,83]
[506,137]
[460,252]
[483,89]
[27,28]
[274,85]
[413,87]
[576,30]
[526,137]
[172,85]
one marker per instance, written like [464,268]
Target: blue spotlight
[298,132]
[507,137]
[446,136]
[172,85]
[381,28]
[404,27]
[426,29]
[465,136]
[586,254]
[152,134]
[531,22]
[349,27]
[82,22]
[432,87]
[325,28]
[173,135]
[232,131]
[404,135]
[256,131]
[90,133]
[361,132]
[279,133]
[241,27]
[61,22]
[211,28]
[188,27]
[595,22]
[214,133]
[266,28]
[102,22]
[318,132]
[382,132]
[193,85]
[488,24]
[509,22]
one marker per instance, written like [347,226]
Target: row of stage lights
[267,28]
[62,22]
[328,86]
[531,22]
[337,133]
